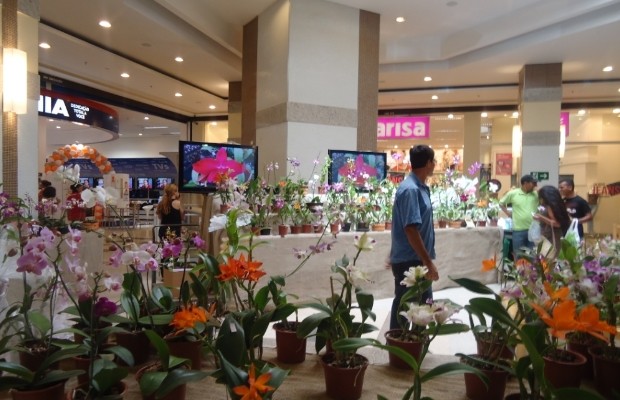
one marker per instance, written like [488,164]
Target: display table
[459,254]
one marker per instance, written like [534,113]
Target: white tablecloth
[459,254]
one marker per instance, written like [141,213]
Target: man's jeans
[520,240]
[399,270]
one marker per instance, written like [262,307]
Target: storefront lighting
[562,141]
[516,148]
[15,81]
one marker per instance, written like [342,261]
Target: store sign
[71,108]
[564,122]
[153,167]
[403,127]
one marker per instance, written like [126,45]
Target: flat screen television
[87,182]
[98,182]
[162,182]
[200,164]
[356,165]
[144,183]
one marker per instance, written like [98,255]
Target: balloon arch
[67,152]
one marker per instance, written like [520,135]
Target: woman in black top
[170,212]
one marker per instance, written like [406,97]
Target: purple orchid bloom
[104,307]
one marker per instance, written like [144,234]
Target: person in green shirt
[524,201]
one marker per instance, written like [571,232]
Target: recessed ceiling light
[400,19]
[213,123]
[581,112]
[616,110]
[484,115]
[120,134]
[178,59]
[515,114]
[50,120]
[427,79]
[445,146]
[488,137]
[177,94]
[155,127]
[146,118]
[44,45]
[434,97]
[140,134]
[608,68]
[125,75]
[211,107]
[450,116]
[57,126]
[105,24]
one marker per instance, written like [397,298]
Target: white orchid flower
[364,243]
[356,276]
[443,310]
[217,222]
[420,315]
[99,195]
[135,257]
[414,275]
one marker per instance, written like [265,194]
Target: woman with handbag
[554,219]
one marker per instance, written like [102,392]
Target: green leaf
[151,381]
[231,340]
[262,298]
[160,346]
[474,286]
[178,377]
[449,329]
[122,353]
[56,375]
[107,378]
[131,306]
[451,369]
[158,319]
[282,312]
[310,323]
[40,322]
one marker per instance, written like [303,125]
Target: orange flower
[256,386]
[489,265]
[589,321]
[241,269]
[187,317]
[522,263]
[252,269]
[230,270]
[563,320]
[556,295]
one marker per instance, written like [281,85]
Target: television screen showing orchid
[357,166]
[202,163]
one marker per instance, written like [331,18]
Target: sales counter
[459,254]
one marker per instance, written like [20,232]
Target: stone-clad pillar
[19,155]
[310,78]
[540,100]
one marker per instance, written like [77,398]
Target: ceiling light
[445,146]
[608,68]
[581,112]
[211,107]
[427,79]
[57,126]
[155,127]
[50,120]
[450,116]
[484,115]
[105,24]
[44,45]
[140,134]
[616,110]
[434,97]
[213,123]
[178,59]
[400,19]
[177,94]
[395,146]
[488,137]
[146,118]
[125,75]
[515,114]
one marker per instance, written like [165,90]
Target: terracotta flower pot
[378,227]
[307,228]
[191,350]
[606,369]
[565,372]
[295,229]
[388,225]
[413,348]
[290,349]
[52,392]
[137,343]
[455,224]
[442,223]
[334,228]
[344,383]
[37,352]
[282,230]
[475,389]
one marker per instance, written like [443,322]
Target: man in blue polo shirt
[413,235]
[524,202]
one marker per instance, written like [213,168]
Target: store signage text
[403,127]
[55,107]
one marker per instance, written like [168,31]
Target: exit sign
[540,175]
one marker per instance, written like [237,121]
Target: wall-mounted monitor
[356,165]
[160,183]
[201,163]
[87,182]
[144,183]
[98,182]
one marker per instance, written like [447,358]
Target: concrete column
[471,139]
[20,132]
[313,83]
[234,112]
[540,100]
